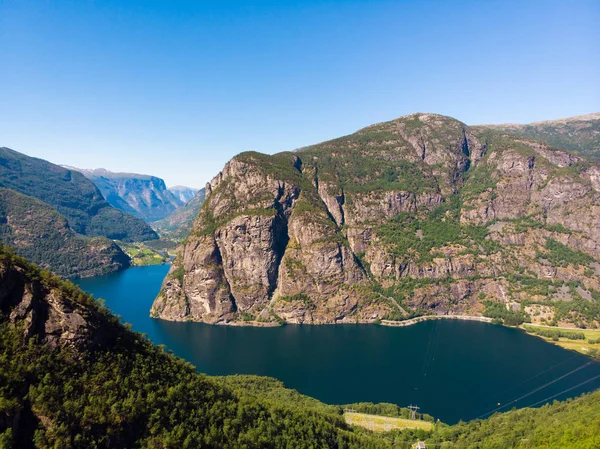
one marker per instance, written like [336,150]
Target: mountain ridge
[421,214]
[73,195]
[580,134]
[144,196]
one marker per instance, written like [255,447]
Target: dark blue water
[451,369]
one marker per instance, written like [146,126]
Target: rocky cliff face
[143,196]
[418,215]
[45,308]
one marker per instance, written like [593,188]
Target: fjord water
[452,369]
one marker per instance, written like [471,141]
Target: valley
[299,225]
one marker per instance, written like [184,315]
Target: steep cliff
[143,196]
[418,215]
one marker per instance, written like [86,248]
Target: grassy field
[581,346]
[142,255]
[379,423]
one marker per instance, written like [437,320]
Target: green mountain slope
[177,226]
[71,194]
[418,215]
[72,376]
[40,233]
[578,134]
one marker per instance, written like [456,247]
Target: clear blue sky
[176,88]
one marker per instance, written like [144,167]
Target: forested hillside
[42,235]
[72,376]
[72,195]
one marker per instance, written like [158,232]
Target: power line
[565,391]
[535,391]
[537,375]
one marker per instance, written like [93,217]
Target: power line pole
[414,409]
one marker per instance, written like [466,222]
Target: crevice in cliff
[218,258]
[339,199]
[423,145]
[466,151]
[281,239]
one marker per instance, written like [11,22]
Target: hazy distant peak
[97,172]
[180,188]
[578,118]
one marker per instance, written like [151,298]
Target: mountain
[177,226]
[143,196]
[40,233]
[579,134]
[184,194]
[73,376]
[72,195]
[419,215]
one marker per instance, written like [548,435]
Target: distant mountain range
[143,196]
[58,218]
[183,193]
[579,134]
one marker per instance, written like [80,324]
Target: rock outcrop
[43,307]
[418,215]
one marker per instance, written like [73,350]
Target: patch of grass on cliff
[561,255]
[178,273]
[401,175]
[283,166]
[302,297]
[523,224]
[478,180]
[371,159]
[413,238]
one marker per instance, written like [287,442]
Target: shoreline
[390,323]
[419,319]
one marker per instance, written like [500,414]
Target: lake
[452,369]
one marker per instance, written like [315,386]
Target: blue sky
[176,88]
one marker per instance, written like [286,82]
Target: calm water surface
[452,369]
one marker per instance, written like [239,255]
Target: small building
[420,445]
